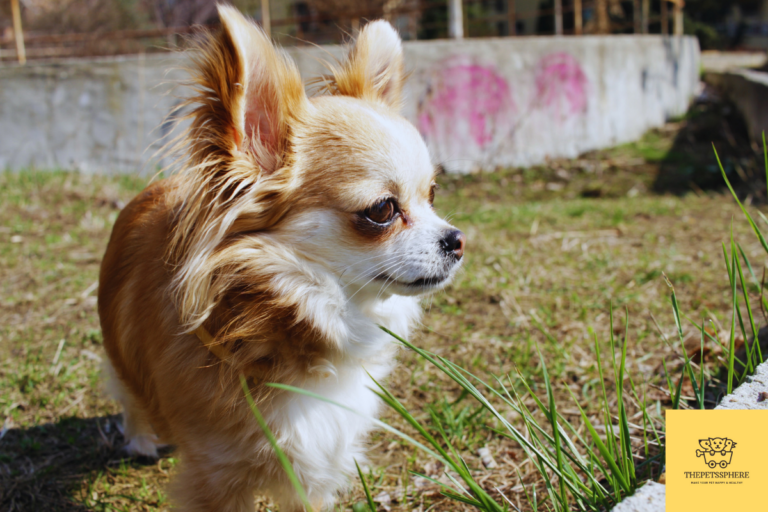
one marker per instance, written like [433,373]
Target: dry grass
[538,251]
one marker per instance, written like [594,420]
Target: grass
[543,265]
[753,351]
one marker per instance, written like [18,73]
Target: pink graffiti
[559,79]
[471,93]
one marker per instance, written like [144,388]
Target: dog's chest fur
[323,440]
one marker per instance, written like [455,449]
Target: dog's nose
[452,243]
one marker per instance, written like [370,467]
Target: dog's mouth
[423,282]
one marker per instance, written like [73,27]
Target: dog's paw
[142,446]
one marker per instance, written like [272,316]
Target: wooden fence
[318,28]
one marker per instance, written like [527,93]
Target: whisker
[385,262]
[393,265]
[387,284]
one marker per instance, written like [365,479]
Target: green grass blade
[749,312]
[626,448]
[458,497]
[572,453]
[450,370]
[602,377]
[727,264]
[287,466]
[617,473]
[759,235]
[687,367]
[669,382]
[751,352]
[719,343]
[367,491]
[762,216]
[765,157]
[732,336]
[533,447]
[437,482]
[743,209]
[749,265]
[702,385]
[555,430]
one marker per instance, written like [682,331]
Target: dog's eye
[382,212]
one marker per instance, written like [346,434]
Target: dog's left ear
[248,94]
[267,93]
[374,67]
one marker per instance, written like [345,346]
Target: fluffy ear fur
[374,67]
[247,95]
[248,91]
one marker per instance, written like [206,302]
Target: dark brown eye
[382,212]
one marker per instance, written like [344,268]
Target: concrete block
[748,90]
[649,498]
[717,61]
[753,394]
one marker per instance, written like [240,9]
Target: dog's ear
[250,91]
[373,69]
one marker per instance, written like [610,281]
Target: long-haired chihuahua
[295,228]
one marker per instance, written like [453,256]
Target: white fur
[324,440]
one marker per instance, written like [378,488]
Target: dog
[294,229]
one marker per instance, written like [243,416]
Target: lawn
[549,249]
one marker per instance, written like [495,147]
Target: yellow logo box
[717,460]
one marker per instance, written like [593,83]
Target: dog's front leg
[205,484]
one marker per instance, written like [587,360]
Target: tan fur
[223,244]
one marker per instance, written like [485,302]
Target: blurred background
[58,28]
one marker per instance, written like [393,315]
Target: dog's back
[132,304]
[166,380]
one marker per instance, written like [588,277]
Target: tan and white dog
[297,226]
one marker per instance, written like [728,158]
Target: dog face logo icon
[717,451]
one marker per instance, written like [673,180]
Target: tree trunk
[602,17]
[578,20]
[646,14]
[678,18]
[266,23]
[18,32]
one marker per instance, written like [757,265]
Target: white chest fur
[324,440]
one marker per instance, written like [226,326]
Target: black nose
[452,243]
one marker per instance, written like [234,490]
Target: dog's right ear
[249,91]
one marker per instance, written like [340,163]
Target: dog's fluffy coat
[263,239]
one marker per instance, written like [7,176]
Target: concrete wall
[100,116]
[479,104]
